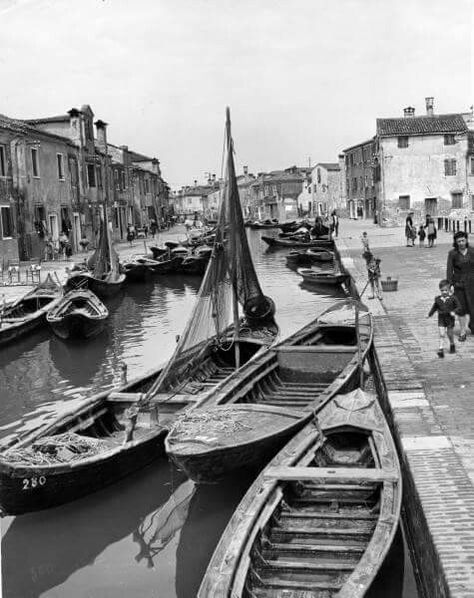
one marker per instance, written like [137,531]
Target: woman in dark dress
[409,230]
[460,273]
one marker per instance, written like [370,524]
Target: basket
[389,284]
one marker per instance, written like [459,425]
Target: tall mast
[233,238]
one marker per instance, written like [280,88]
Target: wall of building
[419,171]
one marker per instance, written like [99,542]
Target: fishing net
[230,275]
[104,261]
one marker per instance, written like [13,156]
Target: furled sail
[104,262]
[230,278]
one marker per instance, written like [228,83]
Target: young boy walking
[446,304]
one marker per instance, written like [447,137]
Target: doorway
[431,206]
[53,226]
[76,230]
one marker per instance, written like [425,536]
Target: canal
[151,535]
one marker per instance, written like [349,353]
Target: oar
[359,347]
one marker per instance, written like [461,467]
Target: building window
[7,224]
[450,167]
[116,179]
[404,202]
[456,200]
[91,175]
[472,165]
[354,184]
[34,161]
[449,139]
[147,186]
[472,202]
[402,141]
[3,161]
[98,175]
[319,175]
[309,188]
[122,178]
[60,167]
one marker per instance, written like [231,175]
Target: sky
[303,79]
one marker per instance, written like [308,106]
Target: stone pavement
[431,402]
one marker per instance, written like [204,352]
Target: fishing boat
[29,312]
[115,433]
[310,256]
[265,224]
[79,314]
[320,518]
[332,278]
[246,421]
[323,243]
[103,277]
[196,263]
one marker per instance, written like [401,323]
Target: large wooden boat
[79,314]
[324,243]
[225,431]
[103,276]
[29,312]
[320,277]
[115,433]
[321,517]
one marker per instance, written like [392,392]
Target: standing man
[334,224]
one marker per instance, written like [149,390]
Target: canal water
[151,535]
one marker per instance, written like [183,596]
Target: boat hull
[78,326]
[274,242]
[13,332]
[102,288]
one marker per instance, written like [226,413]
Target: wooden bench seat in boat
[316,349]
[134,397]
[316,474]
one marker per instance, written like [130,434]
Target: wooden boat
[197,262]
[79,314]
[103,278]
[115,433]
[300,376]
[333,278]
[309,256]
[265,224]
[293,225]
[157,252]
[323,243]
[29,312]
[320,518]
[135,270]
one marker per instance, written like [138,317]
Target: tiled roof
[27,128]
[421,125]
[60,118]
[329,165]
[136,157]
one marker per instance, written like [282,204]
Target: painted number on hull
[31,483]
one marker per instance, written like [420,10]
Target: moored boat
[79,314]
[310,256]
[320,518]
[29,312]
[300,375]
[324,243]
[265,224]
[332,278]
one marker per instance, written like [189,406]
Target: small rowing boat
[323,243]
[29,312]
[310,256]
[79,314]
[322,277]
[320,518]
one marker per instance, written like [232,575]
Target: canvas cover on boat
[230,272]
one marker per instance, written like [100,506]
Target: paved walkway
[431,400]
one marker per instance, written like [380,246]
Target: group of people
[426,230]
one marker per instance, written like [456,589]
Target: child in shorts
[447,305]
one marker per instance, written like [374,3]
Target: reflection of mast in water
[157,529]
[210,509]
[41,551]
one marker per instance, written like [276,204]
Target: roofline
[359,144]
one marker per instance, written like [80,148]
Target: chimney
[409,112]
[246,170]
[101,127]
[429,106]
[75,125]
[195,183]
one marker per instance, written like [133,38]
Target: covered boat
[320,518]
[115,433]
[103,277]
[29,312]
[79,314]
[224,433]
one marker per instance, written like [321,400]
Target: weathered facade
[325,188]
[55,175]
[359,179]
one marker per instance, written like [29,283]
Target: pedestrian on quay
[460,274]
[447,306]
[366,254]
[153,228]
[334,224]
[410,232]
[422,235]
[373,273]
[130,235]
[432,232]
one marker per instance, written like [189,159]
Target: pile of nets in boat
[223,421]
[61,448]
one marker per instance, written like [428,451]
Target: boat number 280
[30,483]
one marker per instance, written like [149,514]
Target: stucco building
[326,188]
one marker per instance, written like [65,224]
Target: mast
[230,185]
